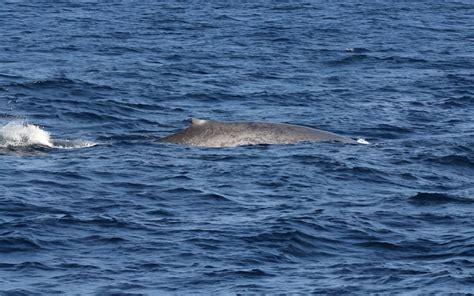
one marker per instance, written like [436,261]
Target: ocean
[92,203]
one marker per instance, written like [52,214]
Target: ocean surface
[91,203]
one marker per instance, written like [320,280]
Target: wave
[435,198]
[19,134]
[58,83]
[18,244]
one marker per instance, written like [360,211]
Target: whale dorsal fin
[197,121]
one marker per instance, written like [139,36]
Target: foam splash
[362,141]
[21,134]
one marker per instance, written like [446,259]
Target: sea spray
[20,134]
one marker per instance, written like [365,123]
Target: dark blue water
[92,203]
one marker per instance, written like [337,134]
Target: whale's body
[210,133]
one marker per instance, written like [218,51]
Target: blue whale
[210,133]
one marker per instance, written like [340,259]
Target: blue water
[92,204]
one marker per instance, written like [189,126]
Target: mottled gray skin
[209,133]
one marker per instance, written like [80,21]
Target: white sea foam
[362,141]
[22,134]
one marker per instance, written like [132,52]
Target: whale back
[210,133]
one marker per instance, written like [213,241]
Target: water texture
[92,204]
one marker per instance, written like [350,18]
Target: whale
[212,133]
